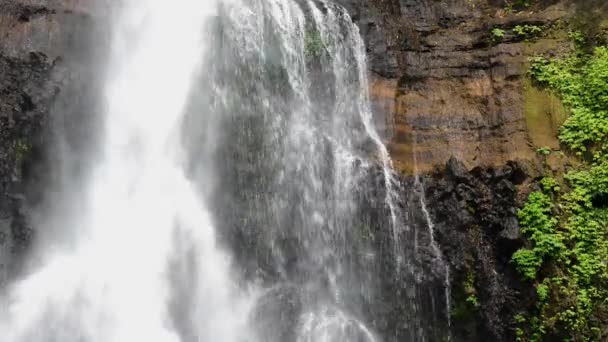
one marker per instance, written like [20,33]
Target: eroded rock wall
[475,216]
[445,85]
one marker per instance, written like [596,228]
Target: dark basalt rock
[476,226]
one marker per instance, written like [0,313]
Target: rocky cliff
[448,88]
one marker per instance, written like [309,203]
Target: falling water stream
[440,264]
[241,192]
[140,207]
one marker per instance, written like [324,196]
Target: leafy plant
[549,185]
[577,36]
[537,222]
[473,301]
[497,34]
[542,291]
[526,31]
[545,151]
[567,252]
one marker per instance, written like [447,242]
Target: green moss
[544,114]
[21,149]
[469,283]
[470,291]
[465,304]
[313,44]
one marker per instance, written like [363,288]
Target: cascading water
[242,192]
[141,212]
[294,151]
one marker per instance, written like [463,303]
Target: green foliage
[542,291]
[20,149]
[313,44]
[520,320]
[469,283]
[577,36]
[527,31]
[467,305]
[497,34]
[473,301]
[549,185]
[582,83]
[544,151]
[567,256]
[539,225]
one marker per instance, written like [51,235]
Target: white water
[363,103]
[327,325]
[142,215]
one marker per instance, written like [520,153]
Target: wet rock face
[475,216]
[25,97]
[36,36]
[455,91]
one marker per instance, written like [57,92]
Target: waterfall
[241,192]
[141,212]
[302,144]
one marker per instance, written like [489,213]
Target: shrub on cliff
[567,256]
[537,222]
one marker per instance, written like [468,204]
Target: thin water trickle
[438,255]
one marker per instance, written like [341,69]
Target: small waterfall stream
[442,266]
[241,193]
[439,264]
